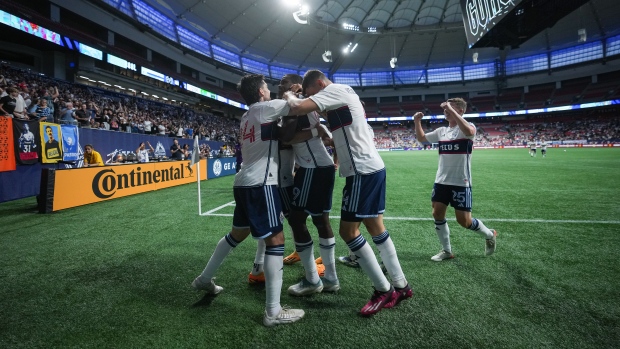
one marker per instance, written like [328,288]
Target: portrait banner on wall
[51,146]
[27,141]
[70,142]
[7,147]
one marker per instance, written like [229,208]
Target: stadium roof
[420,33]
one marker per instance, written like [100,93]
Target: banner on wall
[27,141]
[51,136]
[70,142]
[7,147]
[221,167]
[96,184]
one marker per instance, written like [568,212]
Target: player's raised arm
[419,132]
[468,129]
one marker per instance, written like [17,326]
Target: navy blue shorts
[363,196]
[313,189]
[259,209]
[286,194]
[458,197]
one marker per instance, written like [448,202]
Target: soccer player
[311,196]
[290,131]
[453,181]
[532,145]
[363,198]
[543,148]
[258,208]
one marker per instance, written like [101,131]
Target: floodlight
[393,62]
[327,56]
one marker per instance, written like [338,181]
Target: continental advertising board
[76,187]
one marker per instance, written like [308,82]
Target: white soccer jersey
[455,150]
[347,122]
[543,145]
[311,153]
[532,146]
[286,166]
[259,144]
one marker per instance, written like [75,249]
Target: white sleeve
[274,109]
[433,136]
[329,98]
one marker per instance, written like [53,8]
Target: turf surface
[116,274]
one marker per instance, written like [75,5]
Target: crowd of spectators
[591,130]
[29,95]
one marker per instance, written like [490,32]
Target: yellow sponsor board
[76,187]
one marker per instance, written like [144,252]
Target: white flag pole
[196,160]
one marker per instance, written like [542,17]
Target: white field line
[511,220]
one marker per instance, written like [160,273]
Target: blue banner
[221,167]
[70,142]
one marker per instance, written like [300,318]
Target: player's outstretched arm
[299,106]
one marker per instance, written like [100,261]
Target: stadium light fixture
[393,61]
[301,16]
[327,56]
[582,35]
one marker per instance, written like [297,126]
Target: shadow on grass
[205,301]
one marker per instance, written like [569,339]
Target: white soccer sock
[368,262]
[390,259]
[223,248]
[306,255]
[259,258]
[480,228]
[443,233]
[327,247]
[273,278]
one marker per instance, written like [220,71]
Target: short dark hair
[294,78]
[311,77]
[89,146]
[46,127]
[249,86]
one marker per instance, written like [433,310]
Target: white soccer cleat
[305,288]
[330,286]
[286,316]
[442,255]
[209,287]
[489,244]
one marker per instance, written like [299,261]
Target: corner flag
[195,153]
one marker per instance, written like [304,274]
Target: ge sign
[217,168]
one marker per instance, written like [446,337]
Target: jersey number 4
[248,134]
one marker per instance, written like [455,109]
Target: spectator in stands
[82,115]
[114,123]
[147,125]
[176,152]
[186,152]
[143,153]
[42,112]
[91,157]
[8,102]
[49,95]
[67,114]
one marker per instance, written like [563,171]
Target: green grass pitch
[117,274]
